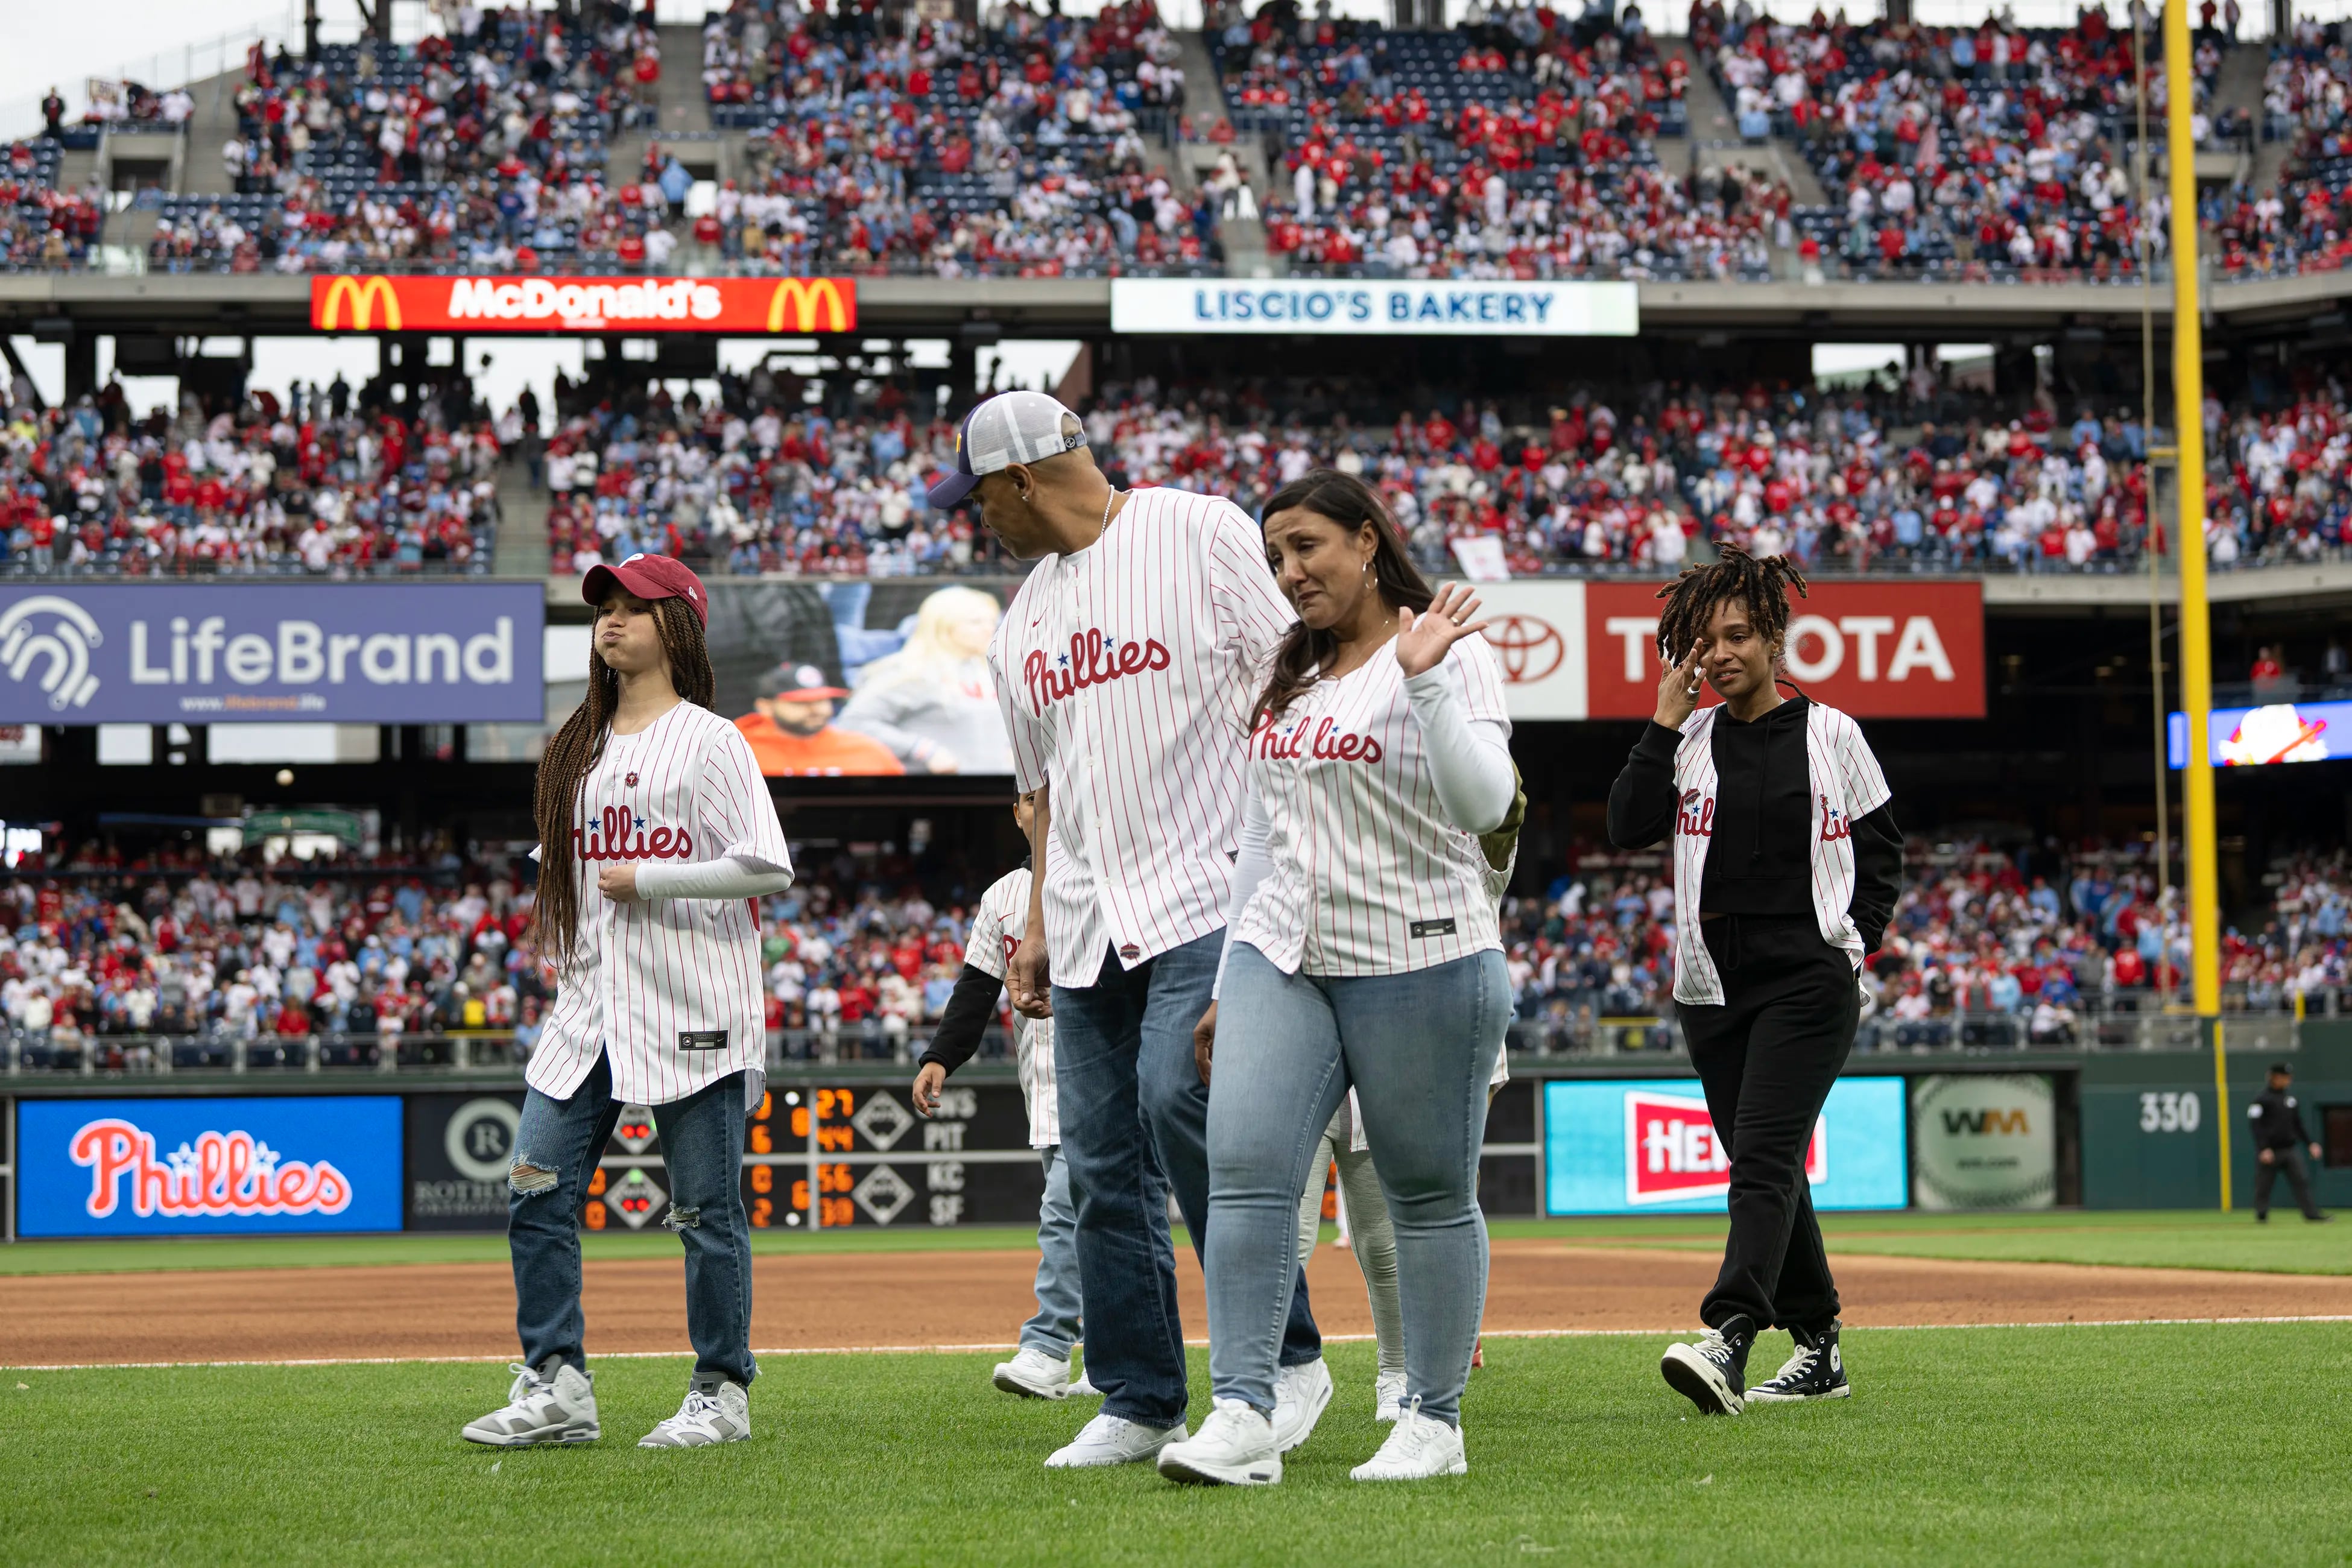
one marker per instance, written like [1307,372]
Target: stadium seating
[254,492]
[1992,154]
[43,228]
[191,962]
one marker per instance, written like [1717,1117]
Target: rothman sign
[1356,308]
[357,653]
[747,306]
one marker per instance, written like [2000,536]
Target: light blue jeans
[1055,1329]
[1418,1048]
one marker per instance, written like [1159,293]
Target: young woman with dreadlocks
[657,799]
[1786,862]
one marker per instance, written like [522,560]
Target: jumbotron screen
[2275,732]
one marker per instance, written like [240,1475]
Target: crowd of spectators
[1893,477]
[1990,152]
[140,964]
[1012,149]
[42,226]
[320,486]
[1979,953]
[108,961]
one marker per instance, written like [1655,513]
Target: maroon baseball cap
[649,577]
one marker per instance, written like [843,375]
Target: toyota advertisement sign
[360,653]
[1581,649]
[1647,1145]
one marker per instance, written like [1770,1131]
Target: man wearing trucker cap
[1124,668]
[792,733]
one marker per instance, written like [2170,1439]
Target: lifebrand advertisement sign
[744,306]
[360,653]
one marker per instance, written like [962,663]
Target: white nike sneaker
[541,1410]
[1113,1441]
[1300,1396]
[719,1415]
[1235,1448]
[1033,1375]
[1387,1396]
[1419,1447]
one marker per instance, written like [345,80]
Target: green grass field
[2144,1239]
[2179,1444]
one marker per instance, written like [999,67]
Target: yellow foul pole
[2188,540]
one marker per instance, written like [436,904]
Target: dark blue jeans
[556,1150]
[1135,1120]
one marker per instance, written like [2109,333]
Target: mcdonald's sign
[745,307]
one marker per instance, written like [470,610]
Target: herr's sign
[1361,307]
[356,653]
[744,306]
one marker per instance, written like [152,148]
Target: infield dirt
[862,1300]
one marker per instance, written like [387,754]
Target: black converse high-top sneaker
[1712,1374]
[1816,1370]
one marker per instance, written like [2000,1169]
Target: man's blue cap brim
[950,491]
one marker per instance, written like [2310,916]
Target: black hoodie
[1763,828]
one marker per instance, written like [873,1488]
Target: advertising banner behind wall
[1361,307]
[1985,1141]
[345,652]
[1575,649]
[1878,650]
[1639,1146]
[748,306]
[208,1167]
[458,1146]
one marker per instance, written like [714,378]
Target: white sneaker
[1419,1447]
[541,1410]
[1387,1396]
[1235,1448]
[1082,1387]
[1300,1396]
[723,1416]
[1033,1375]
[1113,1441]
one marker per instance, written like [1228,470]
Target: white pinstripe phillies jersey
[1846,784]
[1125,675]
[1369,877]
[650,977]
[996,928]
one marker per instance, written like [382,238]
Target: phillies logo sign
[1093,660]
[1673,1156]
[219,1176]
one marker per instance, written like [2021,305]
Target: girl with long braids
[1786,863]
[657,800]
[1362,952]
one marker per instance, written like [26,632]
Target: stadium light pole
[2189,422]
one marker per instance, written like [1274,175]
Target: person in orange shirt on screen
[792,735]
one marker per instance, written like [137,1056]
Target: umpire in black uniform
[2275,1119]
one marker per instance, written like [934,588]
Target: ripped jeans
[556,1150]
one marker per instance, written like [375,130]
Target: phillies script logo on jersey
[1320,740]
[1693,817]
[1093,659]
[607,837]
[220,1176]
[1672,1154]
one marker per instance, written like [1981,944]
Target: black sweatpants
[1767,1058]
[2288,1161]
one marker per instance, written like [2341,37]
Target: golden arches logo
[357,298]
[812,300]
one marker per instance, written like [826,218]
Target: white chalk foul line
[1198,1345]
